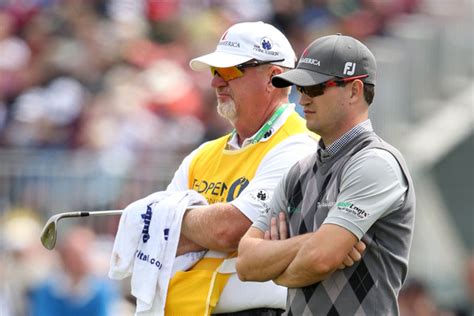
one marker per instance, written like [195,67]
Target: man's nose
[217,81]
[305,100]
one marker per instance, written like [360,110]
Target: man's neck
[328,140]
[248,128]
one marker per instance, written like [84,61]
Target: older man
[237,172]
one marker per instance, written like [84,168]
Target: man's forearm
[263,260]
[185,245]
[306,268]
[218,226]
[296,275]
[318,257]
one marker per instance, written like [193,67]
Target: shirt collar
[365,126]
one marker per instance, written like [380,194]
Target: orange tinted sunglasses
[231,73]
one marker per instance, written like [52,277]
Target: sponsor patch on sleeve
[350,208]
[262,197]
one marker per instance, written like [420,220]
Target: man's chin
[227,110]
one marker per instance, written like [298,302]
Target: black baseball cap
[329,57]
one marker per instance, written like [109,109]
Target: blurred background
[98,107]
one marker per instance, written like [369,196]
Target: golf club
[50,231]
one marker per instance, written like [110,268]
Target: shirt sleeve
[181,176]
[372,186]
[254,199]
[277,204]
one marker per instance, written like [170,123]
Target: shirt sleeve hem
[251,215]
[350,226]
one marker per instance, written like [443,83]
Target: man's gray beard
[227,110]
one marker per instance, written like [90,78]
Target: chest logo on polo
[293,209]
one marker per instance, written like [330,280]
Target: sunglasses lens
[317,90]
[311,91]
[227,73]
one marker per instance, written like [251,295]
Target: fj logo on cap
[349,68]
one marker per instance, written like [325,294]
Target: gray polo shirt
[362,184]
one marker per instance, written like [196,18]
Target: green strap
[268,124]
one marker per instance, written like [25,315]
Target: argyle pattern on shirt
[342,294]
[369,287]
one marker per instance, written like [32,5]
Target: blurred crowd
[112,76]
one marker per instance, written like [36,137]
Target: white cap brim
[217,59]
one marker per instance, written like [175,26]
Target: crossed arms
[297,261]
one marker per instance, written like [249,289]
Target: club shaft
[103,213]
[92,213]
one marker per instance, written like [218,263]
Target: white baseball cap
[245,41]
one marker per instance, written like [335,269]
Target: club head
[50,229]
[49,233]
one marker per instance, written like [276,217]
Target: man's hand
[186,245]
[279,231]
[353,256]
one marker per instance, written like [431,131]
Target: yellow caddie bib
[220,175]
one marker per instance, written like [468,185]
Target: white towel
[146,243]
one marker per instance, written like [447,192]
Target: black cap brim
[299,77]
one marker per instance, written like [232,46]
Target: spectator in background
[44,117]
[467,309]
[14,57]
[415,300]
[23,261]
[470,283]
[73,290]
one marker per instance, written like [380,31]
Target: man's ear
[275,70]
[357,89]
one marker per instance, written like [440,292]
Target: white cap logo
[266,43]
[349,68]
